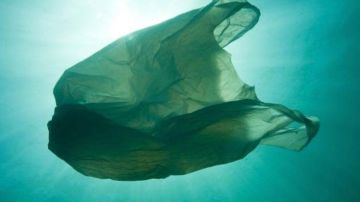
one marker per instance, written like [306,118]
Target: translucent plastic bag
[166,100]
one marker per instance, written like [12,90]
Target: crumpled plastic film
[166,100]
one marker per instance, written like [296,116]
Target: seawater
[303,54]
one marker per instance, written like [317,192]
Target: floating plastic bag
[166,100]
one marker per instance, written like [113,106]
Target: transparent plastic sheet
[166,100]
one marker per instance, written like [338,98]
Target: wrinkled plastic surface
[166,100]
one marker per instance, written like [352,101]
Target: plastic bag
[166,100]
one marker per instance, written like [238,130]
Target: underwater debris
[166,100]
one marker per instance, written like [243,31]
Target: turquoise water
[303,54]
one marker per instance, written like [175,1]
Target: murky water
[303,54]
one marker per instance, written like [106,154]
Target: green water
[303,54]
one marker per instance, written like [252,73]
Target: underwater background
[303,54]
